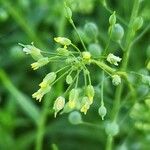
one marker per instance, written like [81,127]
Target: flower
[32,50]
[116,80]
[86,55]
[41,62]
[59,104]
[85,104]
[90,92]
[41,92]
[49,78]
[111,58]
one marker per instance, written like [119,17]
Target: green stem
[125,59]
[109,142]
[72,23]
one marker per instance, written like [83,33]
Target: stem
[125,59]
[72,23]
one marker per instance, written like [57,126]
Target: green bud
[91,30]
[102,111]
[112,128]
[95,50]
[69,79]
[116,32]
[75,118]
[112,18]
[49,78]
[137,24]
[116,80]
[68,12]
[90,92]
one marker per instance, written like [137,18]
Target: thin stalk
[72,23]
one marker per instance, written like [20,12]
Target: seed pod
[102,111]
[112,18]
[116,32]
[95,50]
[59,104]
[90,92]
[116,80]
[137,24]
[49,78]
[75,118]
[112,128]
[69,79]
[91,30]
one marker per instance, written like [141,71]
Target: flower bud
[40,63]
[59,104]
[116,80]
[63,41]
[137,24]
[111,58]
[116,32]
[86,55]
[73,97]
[41,92]
[90,92]
[69,79]
[112,18]
[95,50]
[49,78]
[102,111]
[91,30]
[75,118]
[112,128]
[68,12]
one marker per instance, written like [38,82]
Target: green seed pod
[3,15]
[75,118]
[91,30]
[68,12]
[112,128]
[69,79]
[137,24]
[90,92]
[102,111]
[95,50]
[49,78]
[116,32]
[112,18]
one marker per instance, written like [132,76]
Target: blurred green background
[28,124]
